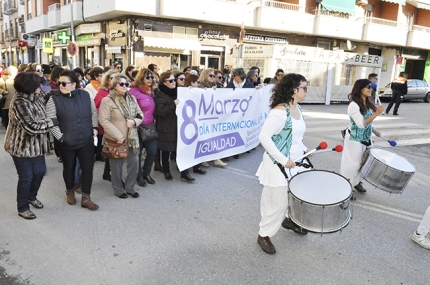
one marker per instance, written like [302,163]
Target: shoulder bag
[148,132]
[113,150]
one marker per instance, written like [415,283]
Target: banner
[48,45]
[213,124]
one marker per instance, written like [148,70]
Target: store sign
[264,39]
[89,42]
[255,51]
[213,35]
[308,54]
[88,29]
[63,37]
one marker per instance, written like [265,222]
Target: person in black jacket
[239,80]
[400,88]
[78,125]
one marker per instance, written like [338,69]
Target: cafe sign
[252,38]
[213,35]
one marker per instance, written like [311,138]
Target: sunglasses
[123,83]
[220,77]
[280,74]
[181,78]
[156,81]
[118,67]
[149,77]
[63,83]
[171,80]
[212,75]
[368,86]
[304,88]
[39,70]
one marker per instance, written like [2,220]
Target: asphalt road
[206,232]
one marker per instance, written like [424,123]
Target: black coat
[166,122]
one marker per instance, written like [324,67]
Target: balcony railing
[421,29]
[384,22]
[330,13]
[10,7]
[281,5]
[54,7]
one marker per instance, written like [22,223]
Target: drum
[319,201]
[387,170]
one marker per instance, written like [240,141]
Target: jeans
[151,150]
[85,154]
[30,175]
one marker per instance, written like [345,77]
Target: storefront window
[314,72]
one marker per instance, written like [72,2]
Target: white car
[417,90]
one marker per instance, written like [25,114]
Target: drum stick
[322,145]
[392,143]
[338,148]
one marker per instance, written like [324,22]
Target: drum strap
[282,170]
[306,165]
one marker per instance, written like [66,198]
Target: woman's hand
[379,110]
[95,132]
[309,151]
[131,123]
[290,164]
[120,140]
[378,134]
[176,101]
[214,87]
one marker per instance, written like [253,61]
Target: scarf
[145,89]
[95,84]
[238,85]
[173,93]
[125,107]
[284,139]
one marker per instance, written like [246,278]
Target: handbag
[112,149]
[148,132]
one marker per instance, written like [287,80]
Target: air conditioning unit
[362,2]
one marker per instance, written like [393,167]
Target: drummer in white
[282,137]
[422,235]
[361,112]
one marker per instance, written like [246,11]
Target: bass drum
[319,201]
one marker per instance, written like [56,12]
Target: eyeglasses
[123,83]
[181,78]
[171,80]
[280,74]
[63,83]
[39,70]
[149,77]
[305,88]
[118,67]
[212,75]
[220,77]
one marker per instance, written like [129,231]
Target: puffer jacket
[27,133]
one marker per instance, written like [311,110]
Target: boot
[87,203]
[157,166]
[106,171]
[71,196]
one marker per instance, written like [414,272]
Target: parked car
[417,90]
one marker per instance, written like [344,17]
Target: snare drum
[319,201]
[387,170]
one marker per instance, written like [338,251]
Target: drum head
[391,159]
[320,187]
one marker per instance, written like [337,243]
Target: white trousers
[351,160]
[424,227]
[273,207]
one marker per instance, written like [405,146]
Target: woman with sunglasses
[180,79]
[219,79]
[77,116]
[37,69]
[129,72]
[142,89]
[101,93]
[165,107]
[278,75]
[257,69]
[120,115]
[283,124]
[361,112]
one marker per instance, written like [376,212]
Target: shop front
[89,39]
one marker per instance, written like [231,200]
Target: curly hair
[139,79]
[355,96]
[284,90]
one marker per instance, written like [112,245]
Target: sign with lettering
[88,29]
[363,59]
[264,39]
[255,51]
[213,124]
[213,35]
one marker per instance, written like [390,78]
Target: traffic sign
[72,49]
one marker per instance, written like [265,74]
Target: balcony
[232,13]
[10,7]
[97,10]
[54,16]
[335,24]
[65,14]
[381,31]
[278,16]
[37,24]
[419,37]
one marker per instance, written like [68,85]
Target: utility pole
[72,34]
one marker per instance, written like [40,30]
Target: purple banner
[218,144]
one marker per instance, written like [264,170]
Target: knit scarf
[145,89]
[95,84]
[172,93]
[126,104]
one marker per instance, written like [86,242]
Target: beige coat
[6,84]
[112,120]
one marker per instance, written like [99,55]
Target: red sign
[72,49]
[399,60]
[22,43]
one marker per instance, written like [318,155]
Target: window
[421,84]
[67,2]
[38,8]
[325,44]
[412,84]
[410,21]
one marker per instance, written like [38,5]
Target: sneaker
[359,187]
[423,240]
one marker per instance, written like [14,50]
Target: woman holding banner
[282,138]
[165,107]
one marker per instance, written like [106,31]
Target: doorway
[210,61]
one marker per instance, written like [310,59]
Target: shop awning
[422,5]
[400,2]
[114,49]
[178,44]
[342,6]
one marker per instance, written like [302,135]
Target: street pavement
[206,232]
